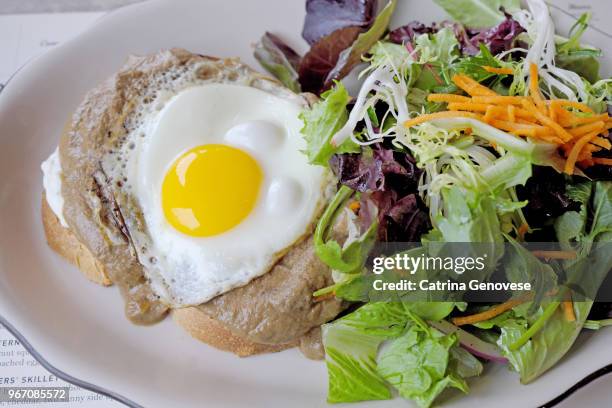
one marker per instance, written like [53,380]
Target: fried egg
[220,186]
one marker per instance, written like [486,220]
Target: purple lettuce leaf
[408,32]
[403,219]
[334,56]
[323,57]
[388,180]
[376,169]
[279,59]
[323,17]
[546,196]
[498,39]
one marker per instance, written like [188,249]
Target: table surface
[60,6]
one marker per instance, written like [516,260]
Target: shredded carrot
[450,98]
[564,117]
[439,115]
[489,314]
[545,120]
[472,87]
[573,155]
[573,104]
[588,128]
[568,309]
[511,113]
[520,114]
[584,157]
[602,142]
[571,125]
[488,117]
[529,129]
[550,137]
[586,163]
[524,132]
[522,230]
[552,112]
[499,71]
[526,122]
[588,149]
[534,89]
[468,106]
[354,206]
[555,254]
[581,120]
[524,114]
[511,127]
[603,161]
[499,99]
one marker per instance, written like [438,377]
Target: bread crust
[65,243]
[204,328]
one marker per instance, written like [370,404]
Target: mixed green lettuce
[388,345]
[455,180]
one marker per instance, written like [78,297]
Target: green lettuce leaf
[573,56]
[522,265]
[437,52]
[441,47]
[361,368]
[473,66]
[597,324]
[418,364]
[469,216]
[583,63]
[349,259]
[478,13]
[589,232]
[351,365]
[388,53]
[547,347]
[322,121]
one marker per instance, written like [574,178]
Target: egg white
[187,270]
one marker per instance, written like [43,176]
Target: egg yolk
[210,189]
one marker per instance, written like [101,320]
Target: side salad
[489,127]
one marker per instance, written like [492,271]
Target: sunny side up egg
[223,188]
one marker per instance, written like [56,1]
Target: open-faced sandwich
[181,181]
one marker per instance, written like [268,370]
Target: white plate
[78,326]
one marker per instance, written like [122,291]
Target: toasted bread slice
[195,322]
[204,328]
[62,241]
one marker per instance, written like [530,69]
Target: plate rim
[606,370]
